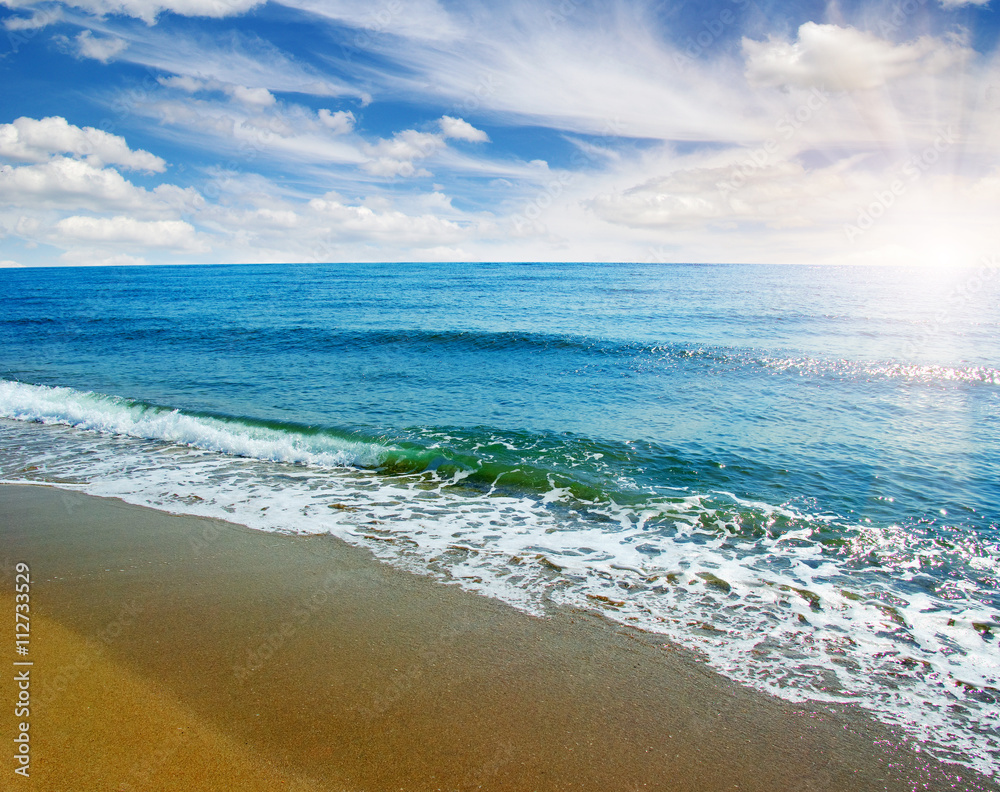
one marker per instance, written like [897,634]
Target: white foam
[775,612]
[117,416]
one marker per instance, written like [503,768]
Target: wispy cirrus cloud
[149,10]
[516,130]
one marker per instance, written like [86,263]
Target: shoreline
[177,652]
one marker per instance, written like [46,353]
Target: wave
[580,349]
[480,459]
[246,437]
[803,604]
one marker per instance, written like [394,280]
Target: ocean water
[793,471]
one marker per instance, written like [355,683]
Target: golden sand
[182,653]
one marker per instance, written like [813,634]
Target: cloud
[247,137]
[232,59]
[89,257]
[36,140]
[172,234]
[396,156]
[101,49]
[461,130]
[960,3]
[184,83]
[149,10]
[340,122]
[37,21]
[837,58]
[413,19]
[640,133]
[70,183]
[345,222]
[253,97]
[8,264]
[250,97]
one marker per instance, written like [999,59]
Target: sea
[792,471]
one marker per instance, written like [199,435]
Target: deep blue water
[795,379]
[779,429]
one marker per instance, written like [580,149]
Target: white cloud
[960,3]
[251,97]
[70,183]
[173,234]
[837,58]
[8,264]
[414,19]
[35,140]
[90,257]
[101,49]
[396,156]
[398,228]
[184,83]
[149,10]
[37,21]
[232,60]
[776,194]
[461,129]
[650,134]
[254,97]
[247,137]
[340,122]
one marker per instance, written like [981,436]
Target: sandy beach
[176,653]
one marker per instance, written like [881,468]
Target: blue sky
[208,131]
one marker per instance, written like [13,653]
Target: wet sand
[176,653]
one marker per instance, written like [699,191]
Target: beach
[173,652]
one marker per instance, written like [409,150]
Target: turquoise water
[792,470]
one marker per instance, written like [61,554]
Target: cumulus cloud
[836,58]
[253,97]
[460,129]
[101,49]
[8,264]
[36,140]
[340,123]
[397,155]
[172,234]
[70,183]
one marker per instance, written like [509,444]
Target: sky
[236,131]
